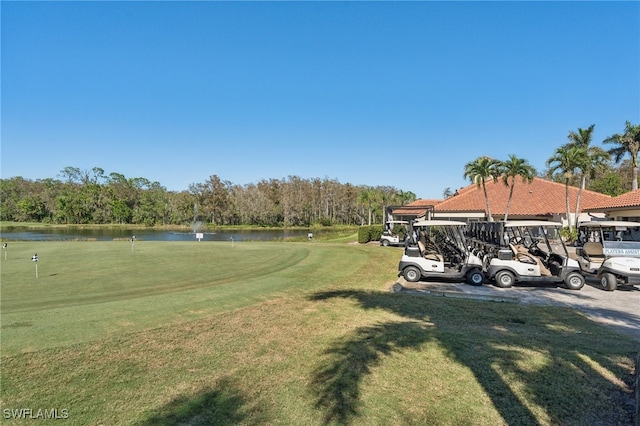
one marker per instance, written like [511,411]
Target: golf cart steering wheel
[535,250]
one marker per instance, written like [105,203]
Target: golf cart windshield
[617,239]
[443,232]
[544,236]
[456,235]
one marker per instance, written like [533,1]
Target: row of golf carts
[531,251]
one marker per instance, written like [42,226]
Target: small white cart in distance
[438,249]
[391,237]
[610,251]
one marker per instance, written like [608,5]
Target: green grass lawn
[285,333]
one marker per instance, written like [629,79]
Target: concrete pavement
[619,309]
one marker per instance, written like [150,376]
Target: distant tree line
[92,197]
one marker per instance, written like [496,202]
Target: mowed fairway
[285,333]
[85,290]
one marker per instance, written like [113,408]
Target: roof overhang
[436,222]
[515,223]
[607,224]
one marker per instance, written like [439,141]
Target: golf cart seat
[431,255]
[593,251]
[434,256]
[522,254]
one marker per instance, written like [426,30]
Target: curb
[637,390]
[505,299]
[460,295]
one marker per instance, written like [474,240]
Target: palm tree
[629,142]
[406,197]
[478,171]
[565,161]
[382,199]
[366,197]
[512,168]
[595,159]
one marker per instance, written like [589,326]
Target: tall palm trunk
[513,184]
[634,184]
[566,194]
[582,187]
[486,199]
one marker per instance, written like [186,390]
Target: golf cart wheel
[385,243]
[574,281]
[396,288]
[609,281]
[475,277]
[505,279]
[411,274]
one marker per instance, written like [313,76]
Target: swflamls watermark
[35,413]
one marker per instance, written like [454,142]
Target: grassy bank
[286,333]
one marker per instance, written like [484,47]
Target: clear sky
[399,94]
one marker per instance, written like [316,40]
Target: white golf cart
[438,249]
[391,236]
[530,250]
[610,250]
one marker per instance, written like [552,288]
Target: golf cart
[391,237]
[437,249]
[530,250]
[610,250]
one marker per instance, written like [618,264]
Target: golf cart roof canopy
[607,224]
[398,221]
[439,223]
[516,223]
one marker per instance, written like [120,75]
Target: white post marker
[133,240]
[35,260]
[4,248]
[231,241]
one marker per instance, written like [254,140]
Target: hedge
[369,233]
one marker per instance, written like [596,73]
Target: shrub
[569,235]
[369,233]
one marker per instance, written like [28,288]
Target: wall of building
[632,215]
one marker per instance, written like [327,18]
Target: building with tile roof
[419,208]
[539,200]
[622,207]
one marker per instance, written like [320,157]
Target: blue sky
[399,94]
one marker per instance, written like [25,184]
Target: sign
[199,236]
[621,252]
[34,258]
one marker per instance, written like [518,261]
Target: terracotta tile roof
[540,197]
[629,199]
[425,203]
[414,207]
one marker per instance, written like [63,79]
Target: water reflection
[106,234]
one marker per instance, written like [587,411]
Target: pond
[108,234]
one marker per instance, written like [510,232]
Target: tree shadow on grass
[495,347]
[224,405]
[337,381]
